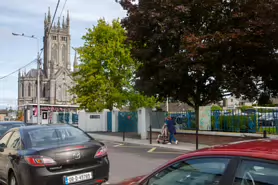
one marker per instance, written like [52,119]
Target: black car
[7,125]
[52,155]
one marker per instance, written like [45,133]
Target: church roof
[33,73]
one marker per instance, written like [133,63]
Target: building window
[54,37]
[64,39]
[22,89]
[29,90]
[44,115]
[43,92]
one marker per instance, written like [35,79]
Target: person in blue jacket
[172,129]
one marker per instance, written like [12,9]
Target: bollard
[150,134]
[124,134]
[264,134]
[197,138]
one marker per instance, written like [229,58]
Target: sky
[17,16]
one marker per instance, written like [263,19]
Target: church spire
[45,19]
[68,19]
[63,23]
[58,24]
[49,15]
[75,64]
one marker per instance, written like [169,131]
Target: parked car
[242,163]
[7,125]
[268,120]
[52,155]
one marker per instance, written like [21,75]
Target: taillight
[40,161]
[102,151]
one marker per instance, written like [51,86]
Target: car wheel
[12,179]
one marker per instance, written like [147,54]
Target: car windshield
[5,127]
[55,136]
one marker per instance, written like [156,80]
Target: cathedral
[55,71]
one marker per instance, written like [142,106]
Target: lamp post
[38,72]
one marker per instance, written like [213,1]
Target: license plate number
[78,177]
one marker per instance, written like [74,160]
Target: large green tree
[105,76]
[198,51]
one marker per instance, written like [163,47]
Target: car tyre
[12,179]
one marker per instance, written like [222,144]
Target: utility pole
[38,89]
[167,104]
[38,73]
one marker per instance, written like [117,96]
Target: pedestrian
[172,130]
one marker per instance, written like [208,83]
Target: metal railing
[248,121]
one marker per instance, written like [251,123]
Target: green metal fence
[235,120]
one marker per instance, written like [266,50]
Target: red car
[253,162]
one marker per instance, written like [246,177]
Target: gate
[127,122]
[109,121]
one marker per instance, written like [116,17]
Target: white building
[233,102]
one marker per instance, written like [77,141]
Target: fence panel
[128,122]
[249,121]
[109,121]
[234,120]
[183,120]
[157,119]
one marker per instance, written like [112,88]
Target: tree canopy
[105,76]
[198,51]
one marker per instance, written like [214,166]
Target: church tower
[56,44]
[56,76]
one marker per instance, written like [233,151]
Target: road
[129,160]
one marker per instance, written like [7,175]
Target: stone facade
[55,73]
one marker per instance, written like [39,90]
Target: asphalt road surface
[130,160]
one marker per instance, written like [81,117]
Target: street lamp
[38,72]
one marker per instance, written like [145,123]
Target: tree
[20,116]
[105,76]
[198,51]
[264,99]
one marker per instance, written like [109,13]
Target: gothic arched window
[29,90]
[22,89]
[54,54]
[65,92]
[64,53]
[43,91]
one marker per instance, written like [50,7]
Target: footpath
[118,139]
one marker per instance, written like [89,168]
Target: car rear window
[5,127]
[46,137]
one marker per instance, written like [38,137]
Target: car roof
[11,122]
[34,127]
[259,148]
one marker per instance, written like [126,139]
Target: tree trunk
[197,126]
[110,107]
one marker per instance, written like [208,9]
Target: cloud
[28,17]
[92,11]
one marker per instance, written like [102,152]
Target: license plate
[78,177]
